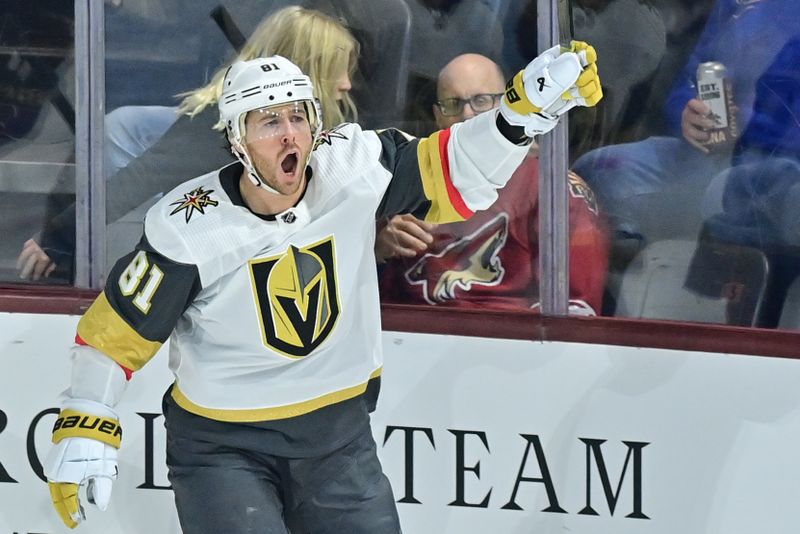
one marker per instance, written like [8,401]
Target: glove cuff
[540,123]
[511,116]
[516,98]
[89,407]
[96,377]
[72,422]
[534,123]
[514,133]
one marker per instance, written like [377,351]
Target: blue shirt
[745,36]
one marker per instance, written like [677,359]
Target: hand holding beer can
[714,89]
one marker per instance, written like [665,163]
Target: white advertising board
[477,436]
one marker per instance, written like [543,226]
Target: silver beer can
[714,88]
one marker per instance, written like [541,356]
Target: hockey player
[262,276]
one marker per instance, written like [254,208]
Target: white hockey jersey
[272,317]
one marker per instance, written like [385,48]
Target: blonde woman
[320,45]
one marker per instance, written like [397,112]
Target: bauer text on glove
[86,437]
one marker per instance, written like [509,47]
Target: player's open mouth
[289,163]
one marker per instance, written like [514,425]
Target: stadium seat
[673,279]
[790,314]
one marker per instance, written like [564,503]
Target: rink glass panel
[37,124]
[154,51]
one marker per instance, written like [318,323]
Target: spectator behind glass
[491,260]
[383,28]
[440,31]
[318,44]
[759,204]
[652,188]
[760,194]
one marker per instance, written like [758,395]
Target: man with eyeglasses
[452,108]
[490,260]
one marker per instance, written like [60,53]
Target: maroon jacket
[491,260]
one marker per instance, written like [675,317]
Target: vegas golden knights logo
[297,297]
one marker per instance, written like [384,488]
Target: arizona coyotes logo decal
[196,200]
[326,137]
[297,299]
[473,259]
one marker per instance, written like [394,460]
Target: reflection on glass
[702,222]
[37,124]
[701,219]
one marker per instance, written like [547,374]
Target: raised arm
[453,173]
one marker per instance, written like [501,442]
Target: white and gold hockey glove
[552,84]
[86,437]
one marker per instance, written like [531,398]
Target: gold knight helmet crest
[297,297]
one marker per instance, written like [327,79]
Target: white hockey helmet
[259,84]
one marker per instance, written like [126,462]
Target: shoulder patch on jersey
[580,189]
[196,200]
[327,137]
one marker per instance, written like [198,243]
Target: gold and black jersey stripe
[116,326]
[421,183]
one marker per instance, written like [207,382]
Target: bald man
[468,85]
[490,260]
